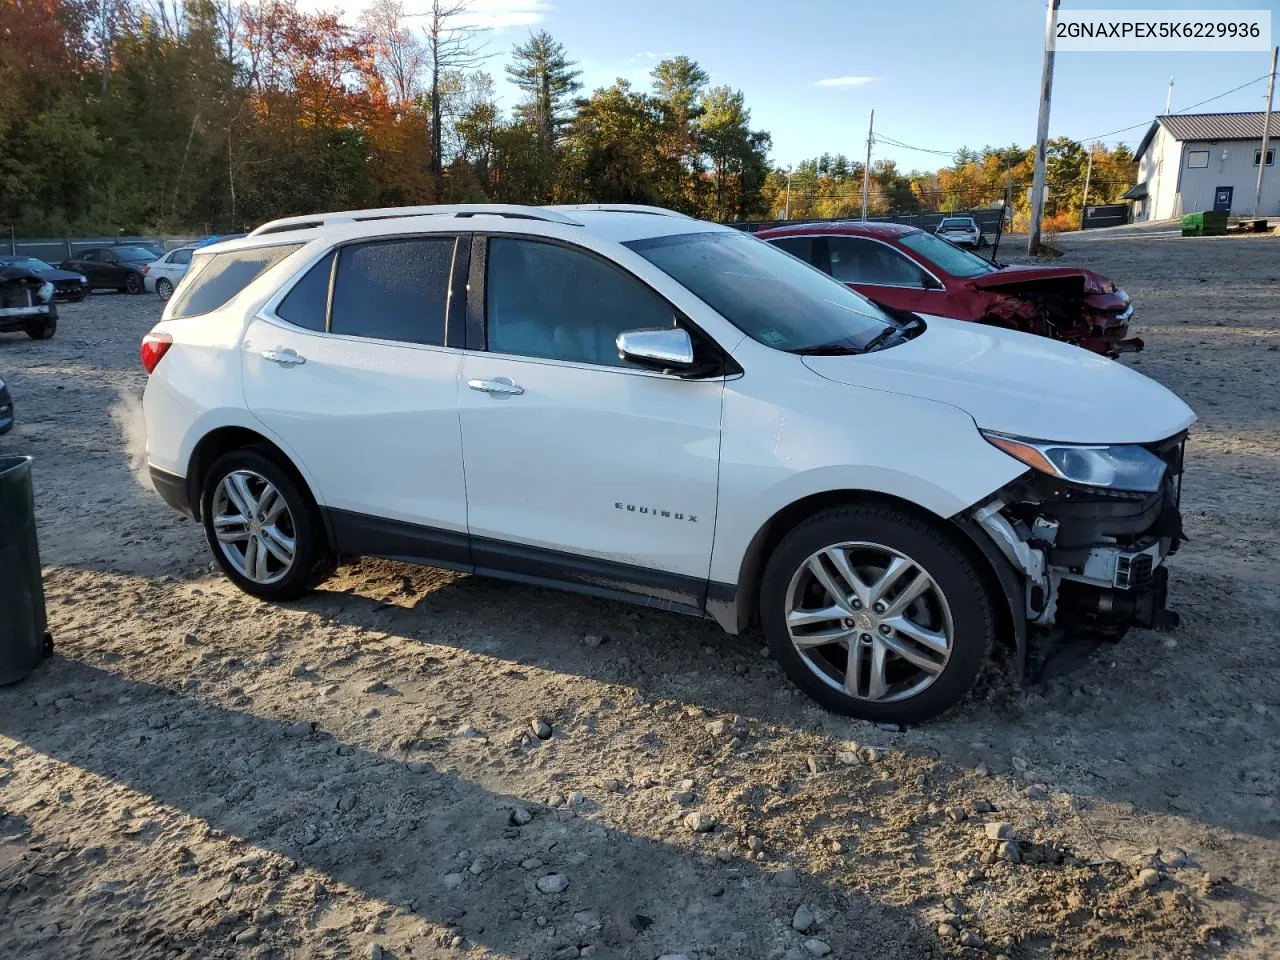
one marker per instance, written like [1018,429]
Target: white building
[1205,161]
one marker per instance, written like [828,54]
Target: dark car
[67,284]
[906,269]
[26,304]
[114,268]
[6,409]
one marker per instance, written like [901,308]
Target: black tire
[164,289]
[44,330]
[965,591]
[313,557]
[133,284]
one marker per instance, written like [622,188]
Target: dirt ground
[198,774]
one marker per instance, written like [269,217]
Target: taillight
[154,346]
[146,269]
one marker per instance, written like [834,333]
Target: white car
[962,231]
[632,404]
[162,276]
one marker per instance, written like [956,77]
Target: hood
[1076,280]
[57,274]
[1018,383]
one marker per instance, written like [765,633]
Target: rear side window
[305,305]
[214,278]
[180,256]
[801,247]
[393,289]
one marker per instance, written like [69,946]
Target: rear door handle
[286,357]
[497,387]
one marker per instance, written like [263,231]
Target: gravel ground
[413,763]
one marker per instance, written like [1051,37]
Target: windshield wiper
[881,337]
[826,350]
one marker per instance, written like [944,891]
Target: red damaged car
[902,268]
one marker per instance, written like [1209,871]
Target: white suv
[632,404]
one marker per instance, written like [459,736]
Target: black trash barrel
[22,616]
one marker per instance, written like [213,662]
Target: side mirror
[662,348]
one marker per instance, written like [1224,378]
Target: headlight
[83,278]
[1119,467]
[45,292]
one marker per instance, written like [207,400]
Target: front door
[365,395]
[1222,199]
[876,270]
[580,466]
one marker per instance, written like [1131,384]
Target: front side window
[214,278]
[946,256]
[1198,159]
[393,289]
[550,301]
[771,297]
[855,260]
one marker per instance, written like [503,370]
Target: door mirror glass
[663,348]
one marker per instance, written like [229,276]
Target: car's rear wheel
[164,289]
[133,283]
[876,614]
[44,330]
[263,527]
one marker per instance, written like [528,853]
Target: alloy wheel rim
[162,288]
[254,527]
[869,621]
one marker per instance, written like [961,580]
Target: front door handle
[286,357]
[497,387]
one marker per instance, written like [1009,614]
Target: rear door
[88,263]
[350,369]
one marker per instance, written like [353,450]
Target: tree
[398,54]
[738,154]
[450,47]
[614,150]
[545,75]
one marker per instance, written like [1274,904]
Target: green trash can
[23,640]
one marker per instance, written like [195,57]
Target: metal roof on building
[1211,126]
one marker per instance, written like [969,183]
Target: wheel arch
[223,440]
[734,607]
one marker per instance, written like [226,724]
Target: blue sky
[939,73]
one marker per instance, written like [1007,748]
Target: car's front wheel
[876,614]
[164,289]
[263,527]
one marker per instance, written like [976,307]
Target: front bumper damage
[1086,559]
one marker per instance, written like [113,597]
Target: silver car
[962,231]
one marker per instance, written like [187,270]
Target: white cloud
[500,14]
[846,81]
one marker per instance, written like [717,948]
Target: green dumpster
[1205,223]
[23,641]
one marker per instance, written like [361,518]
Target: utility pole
[786,214]
[1042,129]
[1266,134]
[1088,175]
[1168,100]
[866,167]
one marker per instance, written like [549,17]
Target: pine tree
[545,74]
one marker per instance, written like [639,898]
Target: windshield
[133,253]
[948,257]
[30,263]
[771,296]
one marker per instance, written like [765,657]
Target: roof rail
[512,210]
[622,208]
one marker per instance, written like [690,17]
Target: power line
[1183,110]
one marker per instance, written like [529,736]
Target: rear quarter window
[214,278]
